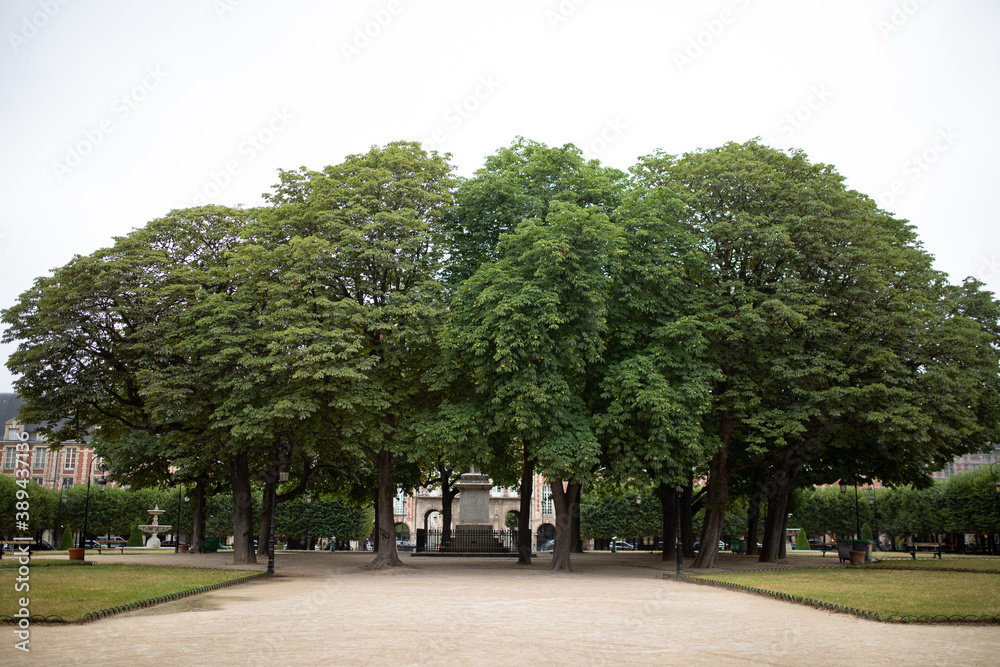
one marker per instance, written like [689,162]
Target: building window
[67,482]
[38,463]
[10,457]
[399,504]
[37,480]
[69,461]
[547,506]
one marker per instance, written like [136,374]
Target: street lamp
[177,533]
[308,522]
[857,512]
[874,504]
[282,477]
[62,498]
[103,467]
[680,538]
[102,484]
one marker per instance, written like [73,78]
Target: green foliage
[135,536]
[67,538]
[324,518]
[605,517]
[801,541]
[866,532]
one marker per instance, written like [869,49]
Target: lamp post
[874,504]
[102,484]
[282,477]
[62,498]
[177,533]
[57,486]
[308,522]
[86,507]
[680,539]
[857,512]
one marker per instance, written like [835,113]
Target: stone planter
[858,557]
[76,553]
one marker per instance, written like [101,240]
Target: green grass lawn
[72,591]
[917,592]
[948,563]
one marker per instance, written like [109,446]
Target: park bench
[822,548]
[11,545]
[933,548]
[108,547]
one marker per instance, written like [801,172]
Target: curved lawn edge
[92,616]
[829,606]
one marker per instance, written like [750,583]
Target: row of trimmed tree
[735,313]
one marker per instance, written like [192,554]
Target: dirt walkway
[325,609]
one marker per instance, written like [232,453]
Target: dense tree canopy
[734,313]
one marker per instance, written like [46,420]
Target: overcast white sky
[116,112]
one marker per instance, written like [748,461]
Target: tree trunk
[715,509]
[198,518]
[777,517]
[574,509]
[753,510]
[668,500]
[239,467]
[564,524]
[524,510]
[385,552]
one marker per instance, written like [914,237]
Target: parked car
[722,546]
[405,545]
[115,542]
[547,545]
[622,545]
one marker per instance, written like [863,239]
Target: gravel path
[328,609]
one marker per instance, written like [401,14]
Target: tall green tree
[525,181]
[528,327]
[817,308]
[360,247]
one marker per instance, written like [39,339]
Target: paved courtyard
[326,609]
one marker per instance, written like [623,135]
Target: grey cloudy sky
[116,112]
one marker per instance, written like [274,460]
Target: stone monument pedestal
[474,532]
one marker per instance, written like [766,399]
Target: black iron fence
[467,541]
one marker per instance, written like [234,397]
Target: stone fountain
[153,529]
